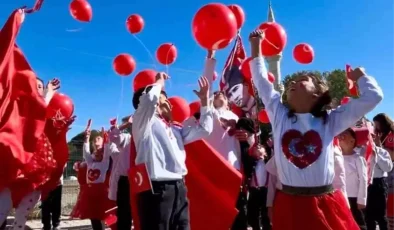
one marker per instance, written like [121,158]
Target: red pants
[325,212]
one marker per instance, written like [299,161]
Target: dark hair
[353,134]
[40,80]
[319,109]
[140,92]
[386,125]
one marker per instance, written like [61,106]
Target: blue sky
[351,31]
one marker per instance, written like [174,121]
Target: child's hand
[355,74]
[255,39]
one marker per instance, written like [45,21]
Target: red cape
[22,110]
[213,188]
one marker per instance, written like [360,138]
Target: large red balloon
[135,23]
[144,78]
[180,109]
[239,14]
[214,26]
[124,64]
[81,10]
[60,107]
[271,77]
[245,68]
[263,117]
[194,107]
[275,38]
[166,53]
[303,53]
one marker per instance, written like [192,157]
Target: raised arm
[146,106]
[86,147]
[120,140]
[51,89]
[363,179]
[347,115]
[265,89]
[383,159]
[204,127]
[209,69]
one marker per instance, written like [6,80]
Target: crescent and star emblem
[138,179]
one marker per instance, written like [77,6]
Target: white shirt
[114,177]
[96,170]
[356,177]
[160,145]
[259,179]
[227,146]
[298,141]
[381,163]
[339,182]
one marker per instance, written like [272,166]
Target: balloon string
[120,98]
[146,49]
[269,42]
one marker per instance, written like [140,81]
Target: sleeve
[271,190]
[121,141]
[201,129]
[114,151]
[270,97]
[86,153]
[48,96]
[340,173]
[363,179]
[146,111]
[108,148]
[347,115]
[383,159]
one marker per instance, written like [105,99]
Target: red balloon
[275,38]
[245,68]
[239,14]
[166,53]
[303,53]
[263,117]
[271,77]
[81,10]
[135,23]
[194,107]
[180,109]
[60,107]
[345,100]
[144,78]
[124,64]
[214,26]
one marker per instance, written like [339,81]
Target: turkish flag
[213,188]
[139,179]
[354,90]
[22,110]
[111,218]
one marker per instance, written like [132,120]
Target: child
[339,168]
[303,140]
[356,176]
[93,199]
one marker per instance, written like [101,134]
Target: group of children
[320,173]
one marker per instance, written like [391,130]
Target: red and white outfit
[304,156]
[93,199]
[339,182]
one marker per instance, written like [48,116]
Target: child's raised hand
[355,74]
[255,39]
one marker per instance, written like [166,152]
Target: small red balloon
[144,78]
[303,53]
[124,64]
[166,54]
[271,77]
[135,23]
[345,100]
[214,26]
[275,38]
[81,10]
[194,107]
[245,68]
[180,109]
[239,14]
[263,117]
[60,107]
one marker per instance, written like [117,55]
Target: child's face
[219,100]
[301,91]
[98,155]
[98,142]
[40,88]
[346,140]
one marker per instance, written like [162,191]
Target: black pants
[2,227]
[97,224]
[377,205]
[51,209]
[257,209]
[241,220]
[123,212]
[358,214]
[167,208]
